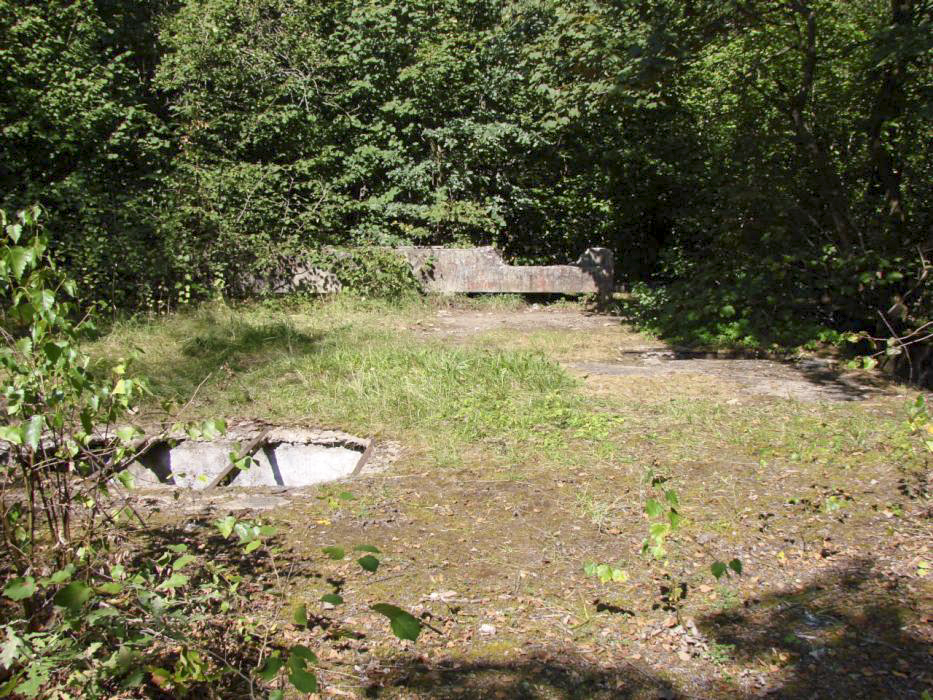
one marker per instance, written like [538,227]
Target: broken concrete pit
[289,457]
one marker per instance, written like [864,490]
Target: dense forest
[763,170]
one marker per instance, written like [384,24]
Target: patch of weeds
[337,499]
[343,366]
[721,526]
[727,598]
[720,653]
[606,572]
[833,503]
[593,509]
[548,422]
[794,643]
[447,456]
[895,509]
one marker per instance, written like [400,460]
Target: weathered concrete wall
[461,270]
[451,270]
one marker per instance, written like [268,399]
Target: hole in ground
[280,457]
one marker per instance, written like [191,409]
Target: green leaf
[62,575]
[246,531]
[127,478]
[589,568]
[252,546]
[366,548]
[271,668]
[53,351]
[101,614]
[18,258]
[43,299]
[334,552]
[126,433]
[331,598]
[9,649]
[718,569]
[183,561]
[225,526]
[736,566]
[211,429]
[302,652]
[174,581]
[20,588]
[12,434]
[303,680]
[653,508]
[675,519]
[277,695]
[346,496]
[300,616]
[109,588]
[24,345]
[73,596]
[619,575]
[369,562]
[404,625]
[671,497]
[33,431]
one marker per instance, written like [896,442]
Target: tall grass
[356,367]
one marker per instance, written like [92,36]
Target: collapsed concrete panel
[289,457]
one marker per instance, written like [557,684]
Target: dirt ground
[834,599]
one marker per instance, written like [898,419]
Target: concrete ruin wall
[461,270]
[471,270]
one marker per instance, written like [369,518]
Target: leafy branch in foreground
[58,418]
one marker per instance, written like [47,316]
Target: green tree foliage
[83,136]
[768,162]
[813,123]
[429,122]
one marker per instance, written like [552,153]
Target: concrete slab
[290,464]
[477,270]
